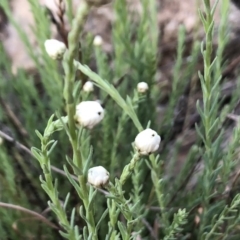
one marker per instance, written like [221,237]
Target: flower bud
[97,41]
[142,87]
[54,48]
[98,176]
[147,141]
[88,86]
[89,113]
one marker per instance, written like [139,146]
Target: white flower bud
[147,141]
[142,87]
[98,176]
[89,113]
[54,48]
[98,41]
[88,86]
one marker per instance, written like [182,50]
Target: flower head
[89,113]
[142,87]
[98,176]
[54,48]
[147,141]
[88,86]
[97,41]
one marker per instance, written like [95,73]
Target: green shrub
[142,197]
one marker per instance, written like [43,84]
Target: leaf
[74,183]
[72,217]
[66,201]
[123,230]
[101,219]
[88,161]
[76,169]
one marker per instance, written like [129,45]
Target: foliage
[144,197]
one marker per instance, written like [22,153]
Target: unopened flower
[142,87]
[97,41]
[147,141]
[88,86]
[89,113]
[98,176]
[54,48]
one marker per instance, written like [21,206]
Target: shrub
[96,181]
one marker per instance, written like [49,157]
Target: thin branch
[37,215]
[150,229]
[185,182]
[13,118]
[27,150]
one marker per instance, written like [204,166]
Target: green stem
[69,70]
[209,114]
[89,213]
[158,186]
[129,168]
[52,193]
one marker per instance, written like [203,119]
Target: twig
[37,215]
[61,27]
[27,150]
[235,62]
[14,119]
[234,117]
[150,229]
[60,24]
[184,183]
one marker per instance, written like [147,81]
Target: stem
[49,188]
[69,70]
[89,213]
[129,168]
[159,190]
[210,90]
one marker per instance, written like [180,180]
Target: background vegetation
[168,195]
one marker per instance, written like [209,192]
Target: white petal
[147,141]
[54,48]
[142,87]
[89,113]
[98,176]
[88,86]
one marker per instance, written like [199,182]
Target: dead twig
[35,214]
[59,23]
[185,182]
[230,68]
[61,26]
[13,118]
[27,150]
[150,229]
